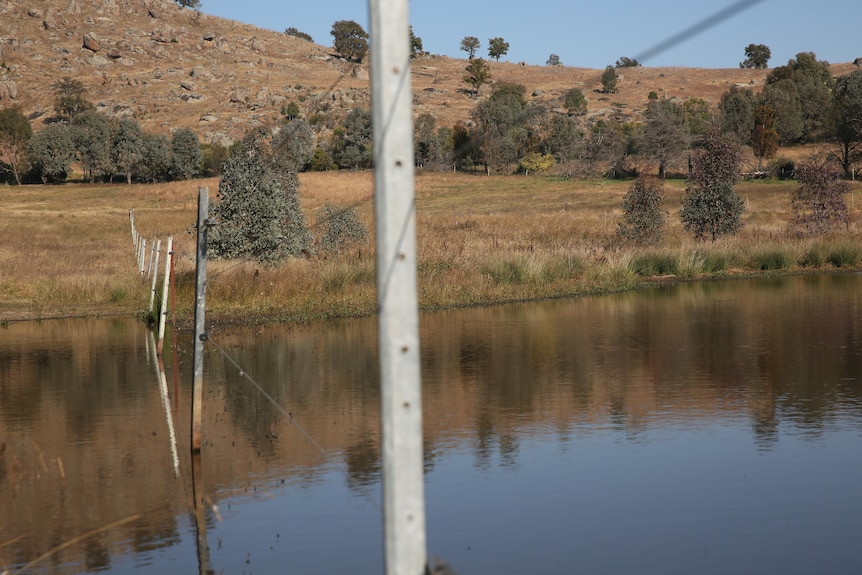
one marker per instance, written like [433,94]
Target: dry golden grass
[67,250]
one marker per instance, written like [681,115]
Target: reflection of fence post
[200,309]
[163,314]
[155,275]
[394,203]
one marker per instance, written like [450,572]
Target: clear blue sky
[591,34]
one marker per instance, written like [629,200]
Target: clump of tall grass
[772,258]
[844,254]
[655,263]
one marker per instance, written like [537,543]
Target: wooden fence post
[155,275]
[398,319]
[200,311]
[163,314]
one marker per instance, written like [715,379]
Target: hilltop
[170,67]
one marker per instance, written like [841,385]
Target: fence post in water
[200,309]
[163,314]
[398,319]
[155,275]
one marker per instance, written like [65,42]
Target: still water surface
[700,428]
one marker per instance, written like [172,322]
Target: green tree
[764,138]
[69,98]
[297,34]
[51,151]
[415,44]
[478,73]
[698,117]
[814,82]
[643,216]
[321,161]
[665,133]
[736,113]
[818,203]
[847,119]
[470,44]
[507,126]
[187,158]
[257,210]
[497,47]
[15,132]
[157,158]
[711,207]
[607,145]
[292,111]
[609,80]
[292,147]
[756,56]
[575,102]
[127,149]
[351,40]
[554,60]
[564,139]
[93,134]
[626,62]
[425,142]
[351,144]
[188,3]
[783,97]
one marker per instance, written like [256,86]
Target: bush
[818,203]
[535,163]
[258,214]
[342,228]
[643,218]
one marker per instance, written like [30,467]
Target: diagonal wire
[284,412]
[263,392]
[696,28]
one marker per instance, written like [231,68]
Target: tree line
[104,147]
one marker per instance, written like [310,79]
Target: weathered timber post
[150,263]
[155,276]
[398,319]
[169,254]
[141,255]
[200,310]
[132,224]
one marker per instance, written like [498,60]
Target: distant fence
[148,267]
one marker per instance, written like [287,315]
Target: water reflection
[628,385]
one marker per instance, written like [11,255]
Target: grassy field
[67,250]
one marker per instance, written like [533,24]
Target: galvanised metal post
[398,314]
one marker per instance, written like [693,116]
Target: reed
[66,250]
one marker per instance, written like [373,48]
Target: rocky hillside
[170,67]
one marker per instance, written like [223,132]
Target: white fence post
[398,320]
[155,275]
[163,315]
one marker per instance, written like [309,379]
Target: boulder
[8,90]
[91,42]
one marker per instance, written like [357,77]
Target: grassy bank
[67,250]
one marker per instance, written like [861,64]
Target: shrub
[535,162]
[342,228]
[643,218]
[258,213]
[818,203]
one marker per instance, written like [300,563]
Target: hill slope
[170,67]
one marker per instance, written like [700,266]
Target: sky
[592,34]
